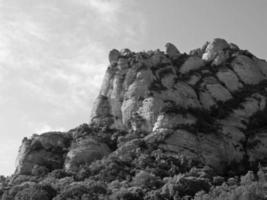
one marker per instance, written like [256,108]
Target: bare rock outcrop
[202,106]
[45,150]
[165,125]
[84,151]
[206,100]
[60,150]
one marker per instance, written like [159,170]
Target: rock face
[84,151]
[205,100]
[159,115]
[57,150]
[45,150]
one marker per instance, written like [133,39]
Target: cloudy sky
[53,53]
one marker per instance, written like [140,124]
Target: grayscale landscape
[131,100]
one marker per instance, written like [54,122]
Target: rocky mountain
[165,125]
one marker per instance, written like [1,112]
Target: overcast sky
[53,53]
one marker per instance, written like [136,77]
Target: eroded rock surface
[165,125]
[84,151]
[45,150]
[205,99]
[60,150]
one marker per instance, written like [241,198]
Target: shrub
[58,173]
[82,191]
[29,194]
[37,192]
[146,179]
[157,195]
[252,191]
[73,192]
[126,194]
[18,179]
[62,183]
[110,169]
[11,193]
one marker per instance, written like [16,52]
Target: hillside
[165,125]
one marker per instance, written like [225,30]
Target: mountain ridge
[165,125]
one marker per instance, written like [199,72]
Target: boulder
[114,55]
[215,51]
[83,152]
[247,70]
[262,65]
[192,63]
[183,95]
[210,149]
[193,79]
[206,100]
[216,90]
[172,51]
[46,150]
[125,52]
[229,79]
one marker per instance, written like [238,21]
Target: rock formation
[46,150]
[165,125]
[203,103]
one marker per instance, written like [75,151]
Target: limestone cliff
[205,103]
[164,121]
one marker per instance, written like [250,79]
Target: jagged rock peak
[141,83]
[157,92]
[171,50]
[114,55]
[165,125]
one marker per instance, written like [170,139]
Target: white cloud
[53,55]
[105,6]
[55,65]
[46,128]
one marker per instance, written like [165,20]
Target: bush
[58,173]
[252,191]
[82,191]
[110,169]
[146,180]
[11,193]
[157,195]
[126,194]
[18,179]
[29,194]
[37,192]
[73,192]
[161,164]
[59,184]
